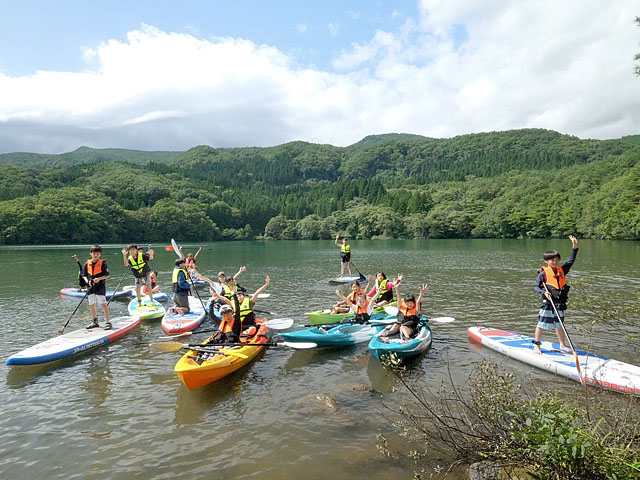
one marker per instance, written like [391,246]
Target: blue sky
[46,35]
[169,75]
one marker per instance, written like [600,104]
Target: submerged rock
[318,401]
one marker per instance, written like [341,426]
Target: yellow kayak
[196,372]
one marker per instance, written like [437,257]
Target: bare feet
[564,348]
[536,350]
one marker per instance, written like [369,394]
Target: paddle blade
[391,310]
[442,319]
[279,323]
[176,249]
[299,345]
[168,248]
[264,295]
[166,346]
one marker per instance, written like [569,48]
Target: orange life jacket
[352,296]
[96,270]
[360,310]
[555,278]
[227,326]
[408,312]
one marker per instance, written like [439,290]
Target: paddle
[174,346]
[379,321]
[390,310]
[61,331]
[362,277]
[275,324]
[573,350]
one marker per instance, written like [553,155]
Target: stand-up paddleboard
[343,280]
[75,292]
[596,369]
[183,323]
[147,310]
[159,296]
[73,343]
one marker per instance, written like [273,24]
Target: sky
[168,75]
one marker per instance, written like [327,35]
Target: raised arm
[150,252]
[397,286]
[337,236]
[242,269]
[423,289]
[195,257]
[369,282]
[260,290]
[344,299]
[217,296]
[124,257]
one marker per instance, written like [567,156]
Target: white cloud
[566,66]
[302,28]
[334,29]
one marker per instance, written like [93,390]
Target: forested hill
[518,183]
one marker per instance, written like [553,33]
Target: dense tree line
[524,183]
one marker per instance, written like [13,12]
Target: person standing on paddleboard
[181,289]
[139,262]
[552,275]
[345,255]
[95,272]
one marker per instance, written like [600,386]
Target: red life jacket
[94,271]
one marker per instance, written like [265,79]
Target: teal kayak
[339,336]
[402,348]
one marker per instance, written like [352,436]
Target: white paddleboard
[597,370]
[73,343]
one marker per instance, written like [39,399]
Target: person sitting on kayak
[552,276]
[247,317]
[181,287]
[95,272]
[386,295]
[408,318]
[361,308]
[345,255]
[344,306]
[81,282]
[230,327]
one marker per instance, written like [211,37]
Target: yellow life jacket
[137,264]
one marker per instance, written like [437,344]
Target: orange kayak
[195,372]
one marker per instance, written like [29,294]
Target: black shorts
[345,257]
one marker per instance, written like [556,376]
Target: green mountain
[85,155]
[519,183]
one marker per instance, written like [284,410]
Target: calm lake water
[121,412]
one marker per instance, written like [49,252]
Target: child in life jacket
[408,318]
[344,305]
[552,285]
[361,308]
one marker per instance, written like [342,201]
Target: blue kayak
[402,348]
[338,336]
